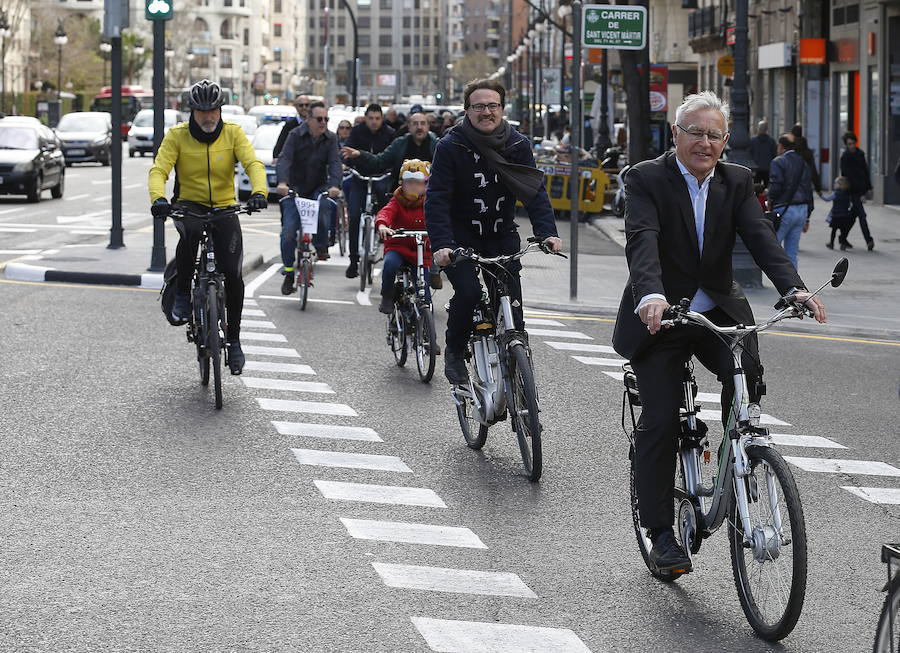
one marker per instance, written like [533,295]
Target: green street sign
[158,9]
[615,27]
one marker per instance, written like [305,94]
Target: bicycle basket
[167,293]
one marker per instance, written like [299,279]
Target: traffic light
[438,96]
[158,9]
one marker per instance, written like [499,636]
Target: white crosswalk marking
[362,297]
[885,495]
[450,636]
[314,407]
[608,362]
[282,384]
[251,302]
[286,352]
[388,494]
[267,337]
[252,312]
[716,416]
[350,460]
[578,335]
[459,581]
[541,321]
[408,533]
[618,376]
[581,346]
[311,299]
[327,431]
[287,368]
[817,441]
[257,324]
[709,397]
[836,466]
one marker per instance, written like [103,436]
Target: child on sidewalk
[839,217]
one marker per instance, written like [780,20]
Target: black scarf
[524,181]
[198,133]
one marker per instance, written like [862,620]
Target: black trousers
[229,247]
[467,289]
[659,371]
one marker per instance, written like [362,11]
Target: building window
[427,22]
[276,79]
[845,15]
[426,40]
[276,6]
[365,59]
[385,22]
[416,40]
[385,4]
[225,58]
[385,40]
[276,29]
[227,3]
[312,41]
[312,61]
[407,40]
[426,59]
[385,59]
[406,60]
[416,60]
[365,22]
[407,22]
[341,40]
[277,54]
[246,37]
[365,40]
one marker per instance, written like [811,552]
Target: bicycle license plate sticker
[309,215]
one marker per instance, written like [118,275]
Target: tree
[82,66]
[472,66]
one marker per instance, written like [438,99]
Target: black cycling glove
[160,208]
[257,202]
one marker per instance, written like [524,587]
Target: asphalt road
[135,517]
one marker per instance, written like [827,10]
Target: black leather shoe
[455,368]
[387,305]
[870,244]
[236,358]
[667,554]
[352,270]
[287,286]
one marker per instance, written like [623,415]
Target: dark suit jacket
[663,253]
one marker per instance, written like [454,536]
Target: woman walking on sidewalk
[855,168]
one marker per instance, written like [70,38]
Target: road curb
[152,280]
[611,231]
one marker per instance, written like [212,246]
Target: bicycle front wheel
[887,637]
[770,571]
[364,261]
[304,279]
[342,227]
[526,413]
[424,339]
[214,342]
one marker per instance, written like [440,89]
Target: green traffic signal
[158,9]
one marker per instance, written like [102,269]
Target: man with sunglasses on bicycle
[683,211]
[309,164]
[480,168]
[203,153]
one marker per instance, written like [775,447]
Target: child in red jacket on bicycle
[405,210]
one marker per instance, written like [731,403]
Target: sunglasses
[319,118]
[343,126]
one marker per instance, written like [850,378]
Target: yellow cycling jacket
[205,172]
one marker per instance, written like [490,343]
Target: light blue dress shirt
[699,193]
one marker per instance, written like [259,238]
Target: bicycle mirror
[840,271]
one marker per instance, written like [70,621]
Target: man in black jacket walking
[762,151]
[855,168]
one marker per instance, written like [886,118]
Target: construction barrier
[592,192]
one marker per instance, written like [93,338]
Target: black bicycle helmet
[206,96]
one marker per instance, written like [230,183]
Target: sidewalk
[95,264]
[866,305]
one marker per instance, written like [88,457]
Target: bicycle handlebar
[212,215]
[408,233]
[534,244]
[681,314]
[292,194]
[357,174]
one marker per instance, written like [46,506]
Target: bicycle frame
[420,279]
[367,219]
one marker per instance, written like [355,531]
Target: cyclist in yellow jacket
[203,153]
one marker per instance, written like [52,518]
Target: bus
[134,98]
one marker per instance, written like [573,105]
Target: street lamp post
[5,33]
[355,84]
[60,38]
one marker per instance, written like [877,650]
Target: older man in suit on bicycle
[682,213]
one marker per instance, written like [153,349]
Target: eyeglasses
[302,106]
[343,126]
[320,118]
[493,107]
[714,136]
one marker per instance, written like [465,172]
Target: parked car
[263,142]
[247,123]
[140,136]
[266,113]
[232,110]
[86,136]
[31,160]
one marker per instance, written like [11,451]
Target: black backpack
[167,293]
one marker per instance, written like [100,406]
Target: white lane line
[260,279]
[257,324]
[540,321]
[837,466]
[22,252]
[17,230]
[15,210]
[286,352]
[581,346]
[387,494]
[578,335]
[314,407]
[451,636]
[362,297]
[618,376]
[793,440]
[376,462]
[267,337]
[328,431]
[251,302]
[311,299]
[395,531]
[457,581]
[91,232]
[716,416]
[887,495]
[130,186]
[607,362]
[709,397]
[252,312]
[76,197]
[282,384]
[102,181]
[287,368]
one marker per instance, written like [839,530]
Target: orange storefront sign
[812,52]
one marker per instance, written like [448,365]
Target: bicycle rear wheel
[526,413]
[214,342]
[397,329]
[304,279]
[770,574]
[342,227]
[424,339]
[887,636]
[474,432]
[364,260]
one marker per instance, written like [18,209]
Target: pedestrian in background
[802,148]
[790,195]
[855,168]
[840,215]
[762,151]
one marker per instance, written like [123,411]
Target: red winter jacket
[399,213]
